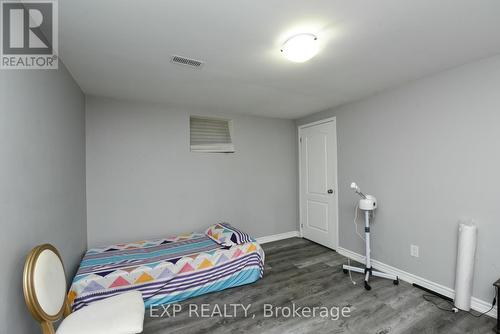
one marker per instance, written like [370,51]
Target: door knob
[330,191]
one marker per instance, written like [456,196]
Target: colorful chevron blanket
[165,270]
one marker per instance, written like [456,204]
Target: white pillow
[226,235]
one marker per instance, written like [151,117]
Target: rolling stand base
[368,272]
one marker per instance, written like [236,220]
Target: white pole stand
[367,270]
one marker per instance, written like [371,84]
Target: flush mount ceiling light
[300,48]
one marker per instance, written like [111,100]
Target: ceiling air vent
[187,61]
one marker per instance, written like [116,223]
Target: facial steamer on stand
[367,204]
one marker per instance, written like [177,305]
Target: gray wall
[42,179]
[429,151]
[143,182]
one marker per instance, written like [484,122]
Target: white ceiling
[122,49]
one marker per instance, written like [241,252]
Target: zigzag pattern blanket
[165,270]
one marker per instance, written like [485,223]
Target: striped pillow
[226,235]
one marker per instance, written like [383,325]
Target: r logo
[29,28]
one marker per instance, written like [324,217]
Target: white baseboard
[276,237]
[476,304]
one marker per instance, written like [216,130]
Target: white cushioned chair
[44,284]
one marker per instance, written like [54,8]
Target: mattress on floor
[165,270]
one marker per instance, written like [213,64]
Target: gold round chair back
[44,285]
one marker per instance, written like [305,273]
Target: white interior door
[318,183]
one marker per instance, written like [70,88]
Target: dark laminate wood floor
[301,272]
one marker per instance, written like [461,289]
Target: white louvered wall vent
[187,61]
[211,135]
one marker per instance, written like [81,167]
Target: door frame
[336,200]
